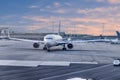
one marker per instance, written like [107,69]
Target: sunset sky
[76,16]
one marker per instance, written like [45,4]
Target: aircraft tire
[64,49]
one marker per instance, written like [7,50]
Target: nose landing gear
[45,48]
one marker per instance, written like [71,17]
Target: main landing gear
[48,50]
[64,48]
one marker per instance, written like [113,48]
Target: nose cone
[50,43]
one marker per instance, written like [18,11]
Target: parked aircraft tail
[118,34]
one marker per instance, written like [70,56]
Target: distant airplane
[101,39]
[117,40]
[118,35]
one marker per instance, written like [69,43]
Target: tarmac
[19,61]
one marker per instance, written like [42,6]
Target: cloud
[8,17]
[95,30]
[83,29]
[100,0]
[110,1]
[60,11]
[36,18]
[90,23]
[108,14]
[98,10]
[89,20]
[42,9]
[56,4]
[33,6]
[85,25]
[34,27]
[114,1]
[68,4]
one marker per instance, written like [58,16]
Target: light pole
[103,28]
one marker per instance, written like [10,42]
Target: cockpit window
[49,38]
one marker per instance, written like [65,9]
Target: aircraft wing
[79,41]
[73,41]
[90,41]
[26,40]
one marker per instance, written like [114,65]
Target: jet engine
[36,45]
[70,46]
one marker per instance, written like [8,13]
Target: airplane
[49,41]
[117,40]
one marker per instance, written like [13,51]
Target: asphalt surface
[40,72]
[105,72]
[84,54]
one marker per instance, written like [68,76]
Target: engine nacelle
[70,46]
[36,45]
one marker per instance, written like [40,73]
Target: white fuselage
[51,40]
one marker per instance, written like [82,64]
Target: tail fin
[118,34]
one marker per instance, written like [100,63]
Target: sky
[93,17]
